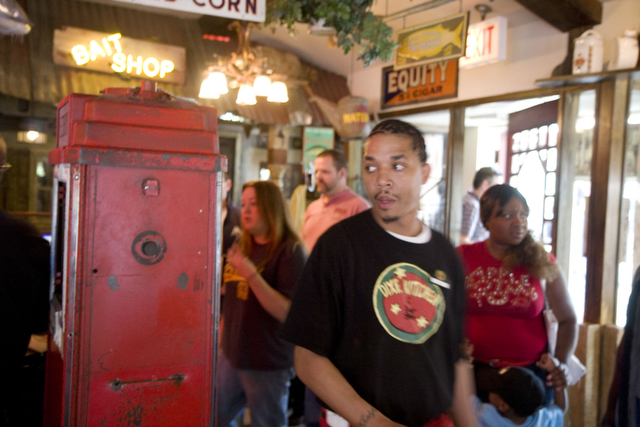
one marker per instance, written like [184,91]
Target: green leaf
[353,21]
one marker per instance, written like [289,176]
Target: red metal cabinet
[136,253]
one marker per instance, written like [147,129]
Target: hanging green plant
[353,21]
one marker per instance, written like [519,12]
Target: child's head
[514,388]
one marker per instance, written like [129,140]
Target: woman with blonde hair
[505,291]
[262,269]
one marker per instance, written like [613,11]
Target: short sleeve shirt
[250,339]
[321,215]
[471,225]
[504,309]
[387,313]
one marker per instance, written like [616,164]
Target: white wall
[534,49]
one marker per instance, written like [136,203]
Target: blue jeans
[265,392]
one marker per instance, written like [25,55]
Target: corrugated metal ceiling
[27,70]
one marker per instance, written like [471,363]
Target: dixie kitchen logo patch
[408,305]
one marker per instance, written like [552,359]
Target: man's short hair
[339,159]
[484,173]
[397,127]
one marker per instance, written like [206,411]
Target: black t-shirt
[250,337]
[387,313]
[24,287]
[231,229]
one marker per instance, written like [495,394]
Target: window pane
[548,208]
[574,205]
[553,135]
[550,188]
[552,159]
[533,139]
[434,128]
[547,230]
[542,136]
[516,142]
[629,238]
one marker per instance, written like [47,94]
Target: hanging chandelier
[248,73]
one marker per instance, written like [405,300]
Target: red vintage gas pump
[135,261]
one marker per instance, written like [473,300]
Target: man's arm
[461,410]
[468,223]
[324,379]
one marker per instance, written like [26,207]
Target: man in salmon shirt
[337,201]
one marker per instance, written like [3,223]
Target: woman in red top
[505,298]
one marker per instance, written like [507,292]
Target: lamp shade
[246,95]
[207,90]
[261,85]
[219,82]
[278,92]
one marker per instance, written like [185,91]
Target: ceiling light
[246,71]
[261,85]
[32,135]
[246,95]
[278,93]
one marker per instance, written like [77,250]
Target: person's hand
[547,362]
[557,377]
[241,263]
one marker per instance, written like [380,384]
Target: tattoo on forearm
[364,419]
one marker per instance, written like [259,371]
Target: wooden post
[455,154]
[604,203]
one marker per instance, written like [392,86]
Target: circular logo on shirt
[407,304]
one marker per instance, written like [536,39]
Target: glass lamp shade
[207,90]
[246,95]
[278,92]
[219,82]
[261,85]
[214,86]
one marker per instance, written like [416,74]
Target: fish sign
[421,83]
[109,53]
[433,42]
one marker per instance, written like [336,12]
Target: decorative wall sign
[109,53]
[486,43]
[244,10]
[436,41]
[420,83]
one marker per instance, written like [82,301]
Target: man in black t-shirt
[24,305]
[377,317]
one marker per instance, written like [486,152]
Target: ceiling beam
[566,15]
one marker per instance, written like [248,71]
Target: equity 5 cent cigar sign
[421,83]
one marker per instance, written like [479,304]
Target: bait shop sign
[420,83]
[112,53]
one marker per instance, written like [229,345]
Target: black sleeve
[24,275]
[290,268]
[315,317]
[460,298]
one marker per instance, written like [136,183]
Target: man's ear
[426,171]
[502,406]
[342,173]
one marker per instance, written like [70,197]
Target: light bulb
[246,95]
[278,92]
[261,85]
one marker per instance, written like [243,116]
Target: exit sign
[486,43]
